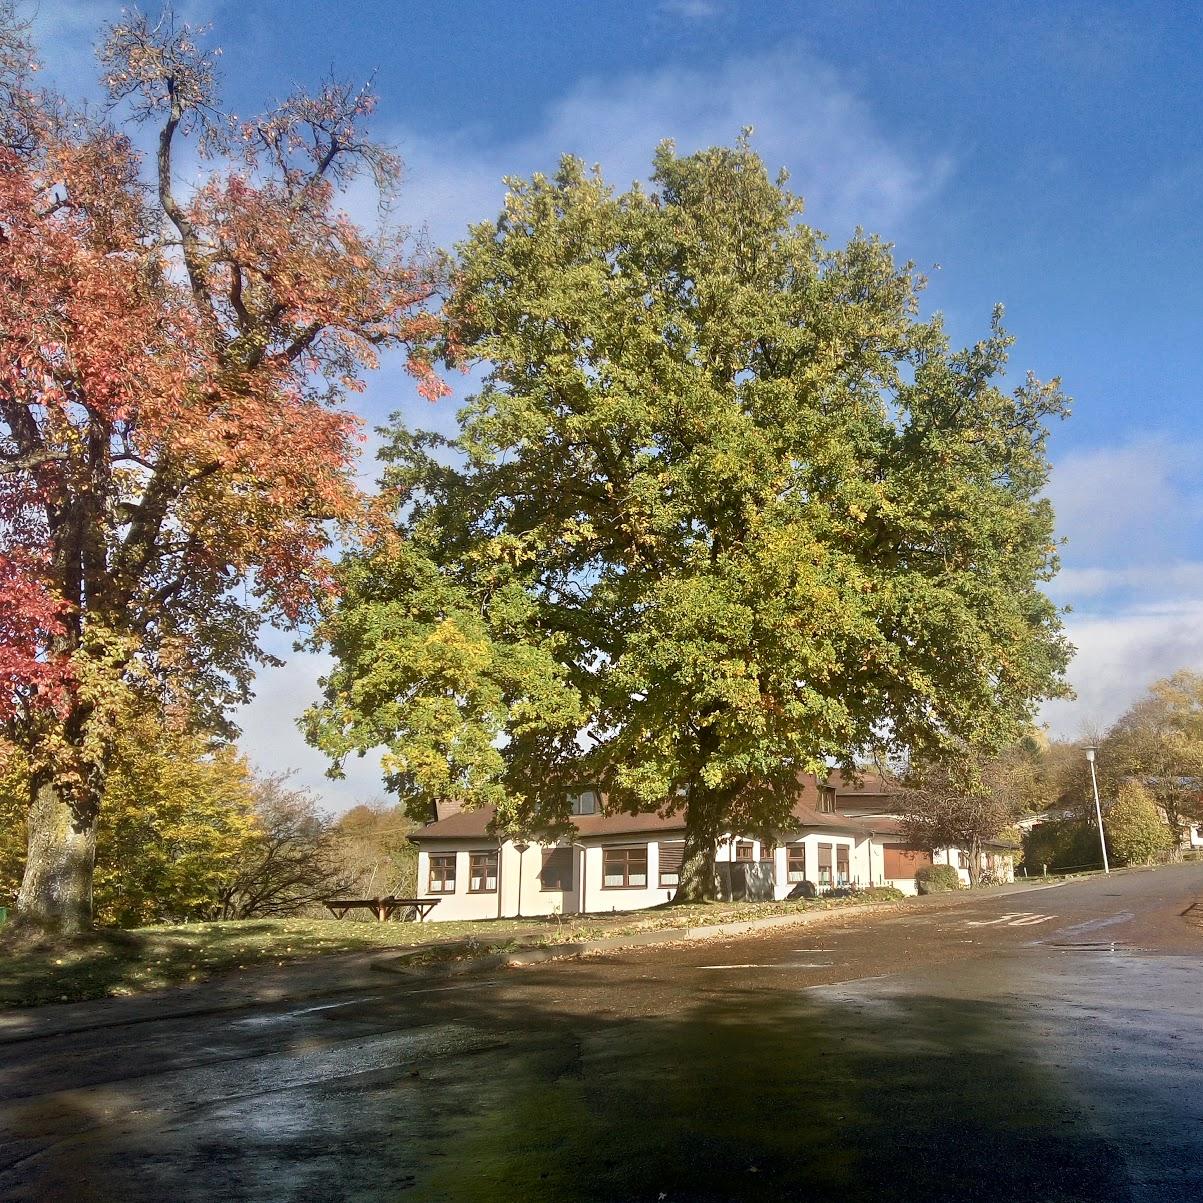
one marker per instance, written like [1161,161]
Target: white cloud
[1120,656]
[1132,516]
[806,118]
[1139,495]
[691,10]
[1173,579]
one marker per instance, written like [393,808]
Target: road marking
[1014,919]
[776,965]
[285,1016]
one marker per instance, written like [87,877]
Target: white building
[620,862]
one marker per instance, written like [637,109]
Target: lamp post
[1091,749]
[520,846]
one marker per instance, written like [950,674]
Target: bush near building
[937,879]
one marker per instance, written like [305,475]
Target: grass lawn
[112,963]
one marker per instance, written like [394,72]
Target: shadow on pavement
[742,1095]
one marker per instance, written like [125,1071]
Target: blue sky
[1047,156]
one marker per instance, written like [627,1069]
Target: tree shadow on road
[743,1094]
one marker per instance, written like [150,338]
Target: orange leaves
[174,457]
[30,616]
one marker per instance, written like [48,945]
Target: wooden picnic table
[383,908]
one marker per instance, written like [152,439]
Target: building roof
[870,785]
[474,824]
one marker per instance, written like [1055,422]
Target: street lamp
[1091,749]
[520,846]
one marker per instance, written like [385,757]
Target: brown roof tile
[473,824]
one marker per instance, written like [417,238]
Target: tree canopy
[173,445]
[1136,833]
[1158,741]
[724,510]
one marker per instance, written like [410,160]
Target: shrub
[882,894]
[937,879]
[1061,844]
[1136,833]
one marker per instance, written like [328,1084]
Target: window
[441,878]
[795,869]
[841,864]
[963,859]
[482,873]
[768,849]
[624,868]
[743,850]
[827,799]
[584,803]
[672,856]
[825,865]
[556,873]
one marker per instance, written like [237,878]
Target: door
[902,863]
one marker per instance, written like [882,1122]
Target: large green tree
[724,509]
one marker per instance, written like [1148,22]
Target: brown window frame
[453,857]
[826,800]
[794,854]
[481,854]
[745,852]
[626,849]
[563,854]
[768,849]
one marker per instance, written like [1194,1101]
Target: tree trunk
[975,863]
[56,891]
[699,881]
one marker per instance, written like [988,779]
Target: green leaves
[724,507]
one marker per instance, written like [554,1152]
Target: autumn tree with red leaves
[175,452]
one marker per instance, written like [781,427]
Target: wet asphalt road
[1040,1045]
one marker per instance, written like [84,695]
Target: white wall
[588,893]
[534,900]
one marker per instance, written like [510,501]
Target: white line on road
[778,965]
[1014,919]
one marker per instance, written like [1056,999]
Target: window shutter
[672,857]
[556,873]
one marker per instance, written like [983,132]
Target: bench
[383,908]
